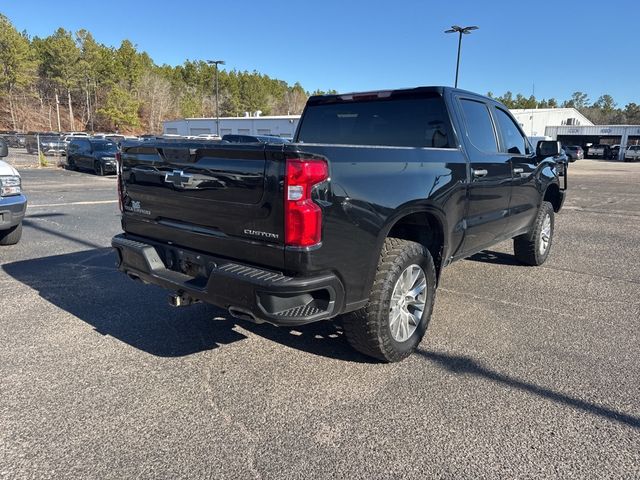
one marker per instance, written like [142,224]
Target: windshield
[105,147]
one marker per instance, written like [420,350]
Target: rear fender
[395,219]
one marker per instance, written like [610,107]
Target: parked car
[92,154]
[13,139]
[51,143]
[113,137]
[77,134]
[357,217]
[19,140]
[632,153]
[208,136]
[254,139]
[598,151]
[574,152]
[13,203]
[67,138]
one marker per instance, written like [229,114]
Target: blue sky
[365,45]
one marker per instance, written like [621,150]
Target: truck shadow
[87,285]
[463,365]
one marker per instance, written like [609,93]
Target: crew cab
[13,203]
[356,218]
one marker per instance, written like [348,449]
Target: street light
[460,31]
[216,63]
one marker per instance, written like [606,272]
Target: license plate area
[189,263]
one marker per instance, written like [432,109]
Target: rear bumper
[249,292]
[12,210]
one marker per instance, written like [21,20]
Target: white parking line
[96,202]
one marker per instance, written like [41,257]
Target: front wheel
[393,322]
[533,248]
[99,169]
[71,163]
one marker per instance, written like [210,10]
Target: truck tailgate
[217,198]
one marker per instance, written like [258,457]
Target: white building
[534,121]
[281,126]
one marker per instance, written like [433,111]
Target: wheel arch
[422,224]
[553,196]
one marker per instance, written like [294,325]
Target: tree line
[69,81]
[604,111]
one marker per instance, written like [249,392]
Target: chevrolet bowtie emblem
[178,178]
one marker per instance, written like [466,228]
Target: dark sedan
[92,154]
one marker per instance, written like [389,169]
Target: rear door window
[479,125]
[400,122]
[512,140]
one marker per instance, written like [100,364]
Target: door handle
[518,171]
[479,172]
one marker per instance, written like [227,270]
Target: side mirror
[4,149]
[547,148]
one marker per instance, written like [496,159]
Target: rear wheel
[11,236]
[392,324]
[533,248]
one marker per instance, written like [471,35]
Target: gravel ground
[524,372]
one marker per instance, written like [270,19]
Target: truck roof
[387,93]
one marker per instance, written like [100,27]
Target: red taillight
[302,217]
[119,179]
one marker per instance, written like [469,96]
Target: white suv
[13,204]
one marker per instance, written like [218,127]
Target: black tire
[11,236]
[528,247]
[71,164]
[99,169]
[368,329]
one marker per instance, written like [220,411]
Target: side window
[514,141]
[479,125]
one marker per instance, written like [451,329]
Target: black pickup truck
[356,217]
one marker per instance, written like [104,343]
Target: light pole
[215,63]
[460,31]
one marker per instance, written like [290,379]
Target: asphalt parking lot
[524,372]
